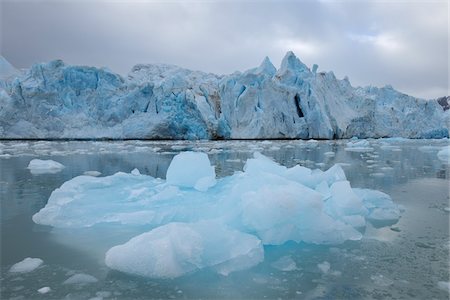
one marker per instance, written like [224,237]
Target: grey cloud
[403,43]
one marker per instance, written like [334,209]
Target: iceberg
[157,101]
[181,228]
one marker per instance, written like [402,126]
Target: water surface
[405,260]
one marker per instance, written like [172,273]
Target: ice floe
[193,220]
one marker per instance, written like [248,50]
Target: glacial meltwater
[408,259]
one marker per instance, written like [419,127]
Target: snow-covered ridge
[55,100]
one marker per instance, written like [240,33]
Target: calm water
[405,260]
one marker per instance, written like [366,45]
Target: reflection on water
[405,260]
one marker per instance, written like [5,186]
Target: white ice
[38,166]
[27,265]
[220,226]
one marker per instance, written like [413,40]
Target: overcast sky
[402,43]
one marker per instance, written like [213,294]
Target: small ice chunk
[191,169]
[135,172]
[285,263]
[92,173]
[44,290]
[444,285]
[324,267]
[80,278]
[329,154]
[38,166]
[27,265]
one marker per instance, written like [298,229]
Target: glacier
[155,101]
[181,229]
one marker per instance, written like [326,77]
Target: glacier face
[55,100]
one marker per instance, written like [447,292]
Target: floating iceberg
[38,166]
[55,100]
[223,226]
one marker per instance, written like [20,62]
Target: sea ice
[197,221]
[38,166]
[27,265]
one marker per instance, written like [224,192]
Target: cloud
[400,43]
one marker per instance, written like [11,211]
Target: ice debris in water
[27,265]
[199,221]
[39,166]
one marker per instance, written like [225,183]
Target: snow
[80,278]
[38,166]
[223,226]
[55,100]
[27,265]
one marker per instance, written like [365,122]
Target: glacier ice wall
[55,100]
